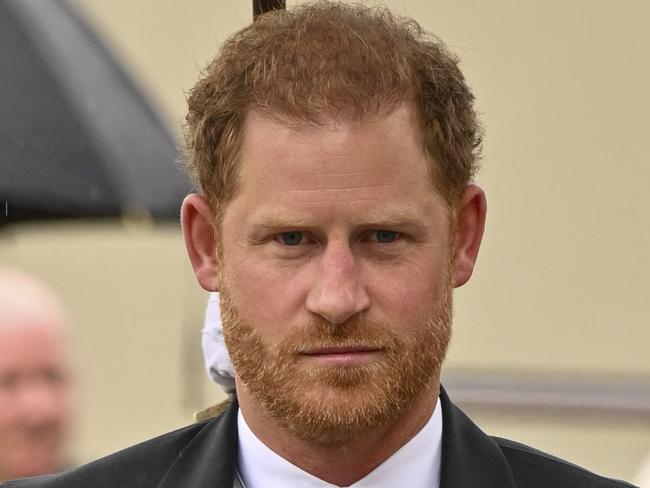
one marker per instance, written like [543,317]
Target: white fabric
[238,483]
[414,465]
[216,357]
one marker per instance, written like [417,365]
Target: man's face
[34,399]
[335,273]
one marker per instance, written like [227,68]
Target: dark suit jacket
[204,455]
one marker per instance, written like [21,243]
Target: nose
[337,292]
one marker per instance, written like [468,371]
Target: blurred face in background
[35,390]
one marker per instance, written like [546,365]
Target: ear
[198,229]
[470,223]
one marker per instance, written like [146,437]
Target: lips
[341,356]
[324,351]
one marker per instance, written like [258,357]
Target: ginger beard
[332,405]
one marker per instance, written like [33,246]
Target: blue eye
[292,238]
[386,236]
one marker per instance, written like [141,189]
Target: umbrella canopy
[77,138]
[262,6]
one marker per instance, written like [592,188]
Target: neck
[344,463]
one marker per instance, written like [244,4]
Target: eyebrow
[389,217]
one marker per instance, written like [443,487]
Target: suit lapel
[210,459]
[470,458]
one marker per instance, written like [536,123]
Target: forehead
[337,150]
[25,299]
[30,345]
[342,169]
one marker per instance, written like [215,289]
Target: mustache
[359,331]
[354,333]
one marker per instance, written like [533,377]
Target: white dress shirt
[415,465]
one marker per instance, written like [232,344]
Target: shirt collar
[416,464]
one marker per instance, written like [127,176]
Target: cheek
[412,293]
[406,304]
[62,404]
[6,415]
[68,402]
[269,297]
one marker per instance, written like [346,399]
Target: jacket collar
[210,458]
[470,459]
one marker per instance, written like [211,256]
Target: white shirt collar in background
[415,465]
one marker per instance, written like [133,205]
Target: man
[334,147]
[35,406]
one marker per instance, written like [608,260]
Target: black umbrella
[262,6]
[77,138]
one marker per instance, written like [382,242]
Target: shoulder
[142,465]
[535,469]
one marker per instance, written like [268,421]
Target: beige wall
[563,280]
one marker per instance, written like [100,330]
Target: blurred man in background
[35,389]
